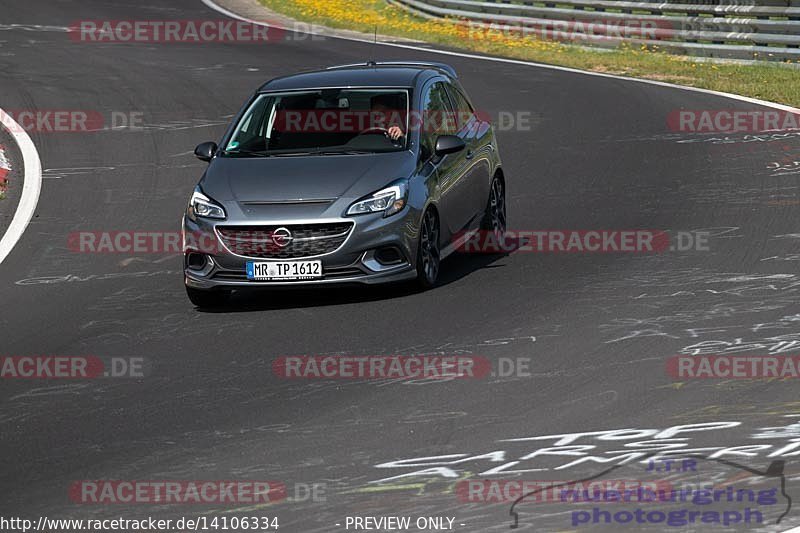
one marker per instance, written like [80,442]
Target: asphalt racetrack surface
[578,342]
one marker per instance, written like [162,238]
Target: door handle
[470,154]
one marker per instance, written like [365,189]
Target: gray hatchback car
[369,173]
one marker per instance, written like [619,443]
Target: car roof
[370,74]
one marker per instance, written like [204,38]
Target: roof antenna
[371,62]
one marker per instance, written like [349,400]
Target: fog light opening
[388,256]
[196,261]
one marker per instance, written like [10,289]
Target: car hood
[297,179]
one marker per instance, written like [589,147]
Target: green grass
[770,81]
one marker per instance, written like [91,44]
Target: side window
[465,114]
[251,135]
[437,118]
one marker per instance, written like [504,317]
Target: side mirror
[205,151]
[449,144]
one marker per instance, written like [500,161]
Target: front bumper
[352,263]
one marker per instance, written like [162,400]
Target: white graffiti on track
[784,169]
[789,431]
[564,451]
[743,139]
[77,278]
[766,346]
[633,328]
[33,27]
[744,285]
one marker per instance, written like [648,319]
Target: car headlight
[390,200]
[201,205]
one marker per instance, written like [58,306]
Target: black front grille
[264,242]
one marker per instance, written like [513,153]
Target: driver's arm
[395,132]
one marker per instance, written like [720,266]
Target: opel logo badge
[282,237]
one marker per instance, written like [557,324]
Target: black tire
[494,218]
[428,252]
[204,299]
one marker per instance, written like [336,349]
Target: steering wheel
[383,131]
[375,130]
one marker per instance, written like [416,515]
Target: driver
[386,106]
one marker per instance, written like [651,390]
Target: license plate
[284,270]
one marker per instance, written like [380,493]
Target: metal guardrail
[767,31]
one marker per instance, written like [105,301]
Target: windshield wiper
[344,152]
[262,153]
[318,151]
[267,153]
[293,154]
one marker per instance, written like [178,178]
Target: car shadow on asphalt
[454,268]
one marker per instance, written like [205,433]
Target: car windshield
[321,122]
